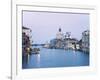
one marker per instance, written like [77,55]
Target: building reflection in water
[38,59]
[25,59]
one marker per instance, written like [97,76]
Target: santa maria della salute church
[65,41]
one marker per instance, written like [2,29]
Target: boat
[35,50]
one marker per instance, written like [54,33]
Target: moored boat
[35,50]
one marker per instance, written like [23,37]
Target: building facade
[85,41]
[71,43]
[26,40]
[64,41]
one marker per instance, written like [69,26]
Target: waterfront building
[56,43]
[71,43]
[53,43]
[85,41]
[59,44]
[80,44]
[77,46]
[46,45]
[26,41]
[64,41]
[28,32]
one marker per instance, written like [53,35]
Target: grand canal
[48,58]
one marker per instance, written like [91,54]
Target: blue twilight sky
[45,25]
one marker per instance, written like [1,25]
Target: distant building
[64,41]
[59,44]
[71,43]
[68,35]
[85,41]
[59,34]
[56,43]
[77,46]
[59,39]
[46,45]
[53,43]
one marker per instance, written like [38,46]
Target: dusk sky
[45,25]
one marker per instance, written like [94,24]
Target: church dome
[59,34]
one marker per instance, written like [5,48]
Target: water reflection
[25,60]
[38,59]
[56,58]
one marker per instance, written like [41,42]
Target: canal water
[49,58]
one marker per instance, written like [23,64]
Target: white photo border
[37,74]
